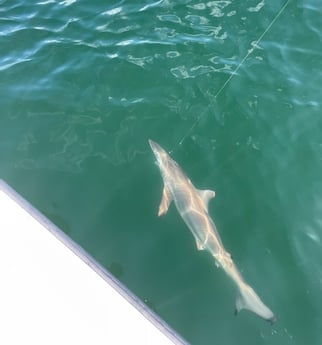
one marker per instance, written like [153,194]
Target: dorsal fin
[206,195]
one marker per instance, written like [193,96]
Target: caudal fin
[248,299]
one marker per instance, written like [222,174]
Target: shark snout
[157,149]
[154,145]
[162,158]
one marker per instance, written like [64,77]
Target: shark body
[192,205]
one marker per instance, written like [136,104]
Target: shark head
[167,165]
[160,154]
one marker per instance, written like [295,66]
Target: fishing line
[254,45]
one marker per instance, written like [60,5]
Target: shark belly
[201,227]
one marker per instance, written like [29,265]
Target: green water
[233,90]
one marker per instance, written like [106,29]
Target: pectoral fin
[165,202]
[200,245]
[207,195]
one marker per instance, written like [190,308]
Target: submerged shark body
[192,204]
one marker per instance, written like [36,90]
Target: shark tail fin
[248,299]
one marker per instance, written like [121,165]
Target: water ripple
[182,72]
[257,8]
[113,11]
[67,2]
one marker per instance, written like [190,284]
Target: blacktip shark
[192,205]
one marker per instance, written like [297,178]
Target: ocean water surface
[232,89]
